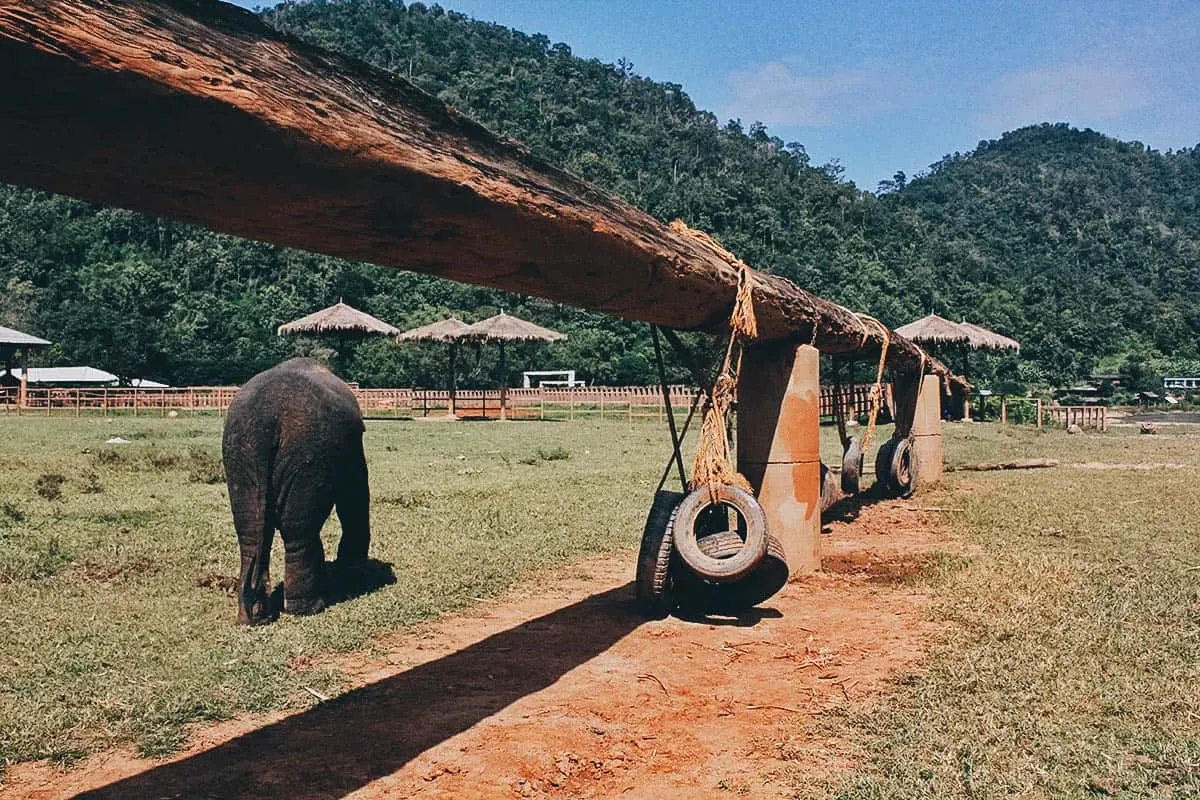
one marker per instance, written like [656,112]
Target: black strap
[666,391]
[686,424]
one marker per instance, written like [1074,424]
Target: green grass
[1071,666]
[115,623]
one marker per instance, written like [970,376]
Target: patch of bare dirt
[1147,466]
[562,691]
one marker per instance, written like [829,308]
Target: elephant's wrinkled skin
[293,450]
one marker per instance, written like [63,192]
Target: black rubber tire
[902,472]
[698,595]
[852,466]
[883,467]
[830,491]
[721,570]
[652,586]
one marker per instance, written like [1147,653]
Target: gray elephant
[293,450]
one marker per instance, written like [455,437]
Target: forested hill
[1085,248]
[1082,247]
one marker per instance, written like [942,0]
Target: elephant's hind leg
[354,513]
[304,571]
[255,534]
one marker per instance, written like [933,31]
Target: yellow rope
[877,387]
[714,467]
[742,319]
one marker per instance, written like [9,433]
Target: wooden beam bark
[195,110]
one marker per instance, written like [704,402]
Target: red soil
[561,691]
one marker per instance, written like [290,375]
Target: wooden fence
[1086,417]
[856,399]
[603,402]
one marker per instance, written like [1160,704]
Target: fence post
[1039,413]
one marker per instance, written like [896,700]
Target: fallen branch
[774,708]
[316,694]
[648,677]
[1023,463]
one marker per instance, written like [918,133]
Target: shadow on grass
[342,745]
[347,583]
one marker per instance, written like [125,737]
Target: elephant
[293,450]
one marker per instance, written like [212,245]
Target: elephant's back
[298,400]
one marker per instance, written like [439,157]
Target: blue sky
[895,86]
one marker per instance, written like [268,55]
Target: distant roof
[15,337]
[90,375]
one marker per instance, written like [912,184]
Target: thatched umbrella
[343,321]
[503,328]
[938,331]
[934,330]
[980,338]
[449,331]
[340,319]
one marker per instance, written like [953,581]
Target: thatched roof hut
[505,328]
[502,328]
[340,319]
[980,338]
[934,330]
[447,330]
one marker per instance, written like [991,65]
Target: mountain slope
[1082,247]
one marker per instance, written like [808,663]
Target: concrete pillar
[778,445]
[927,431]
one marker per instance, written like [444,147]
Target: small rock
[116,440]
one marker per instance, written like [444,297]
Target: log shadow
[342,745]
[848,508]
[733,619]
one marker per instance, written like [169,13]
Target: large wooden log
[195,110]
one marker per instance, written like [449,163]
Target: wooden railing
[1086,417]
[630,402]
[602,401]
[856,399]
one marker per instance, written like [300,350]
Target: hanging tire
[698,595]
[830,491]
[883,467]
[652,586]
[902,472]
[852,466]
[684,534]
[896,468]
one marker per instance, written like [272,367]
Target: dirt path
[562,691]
